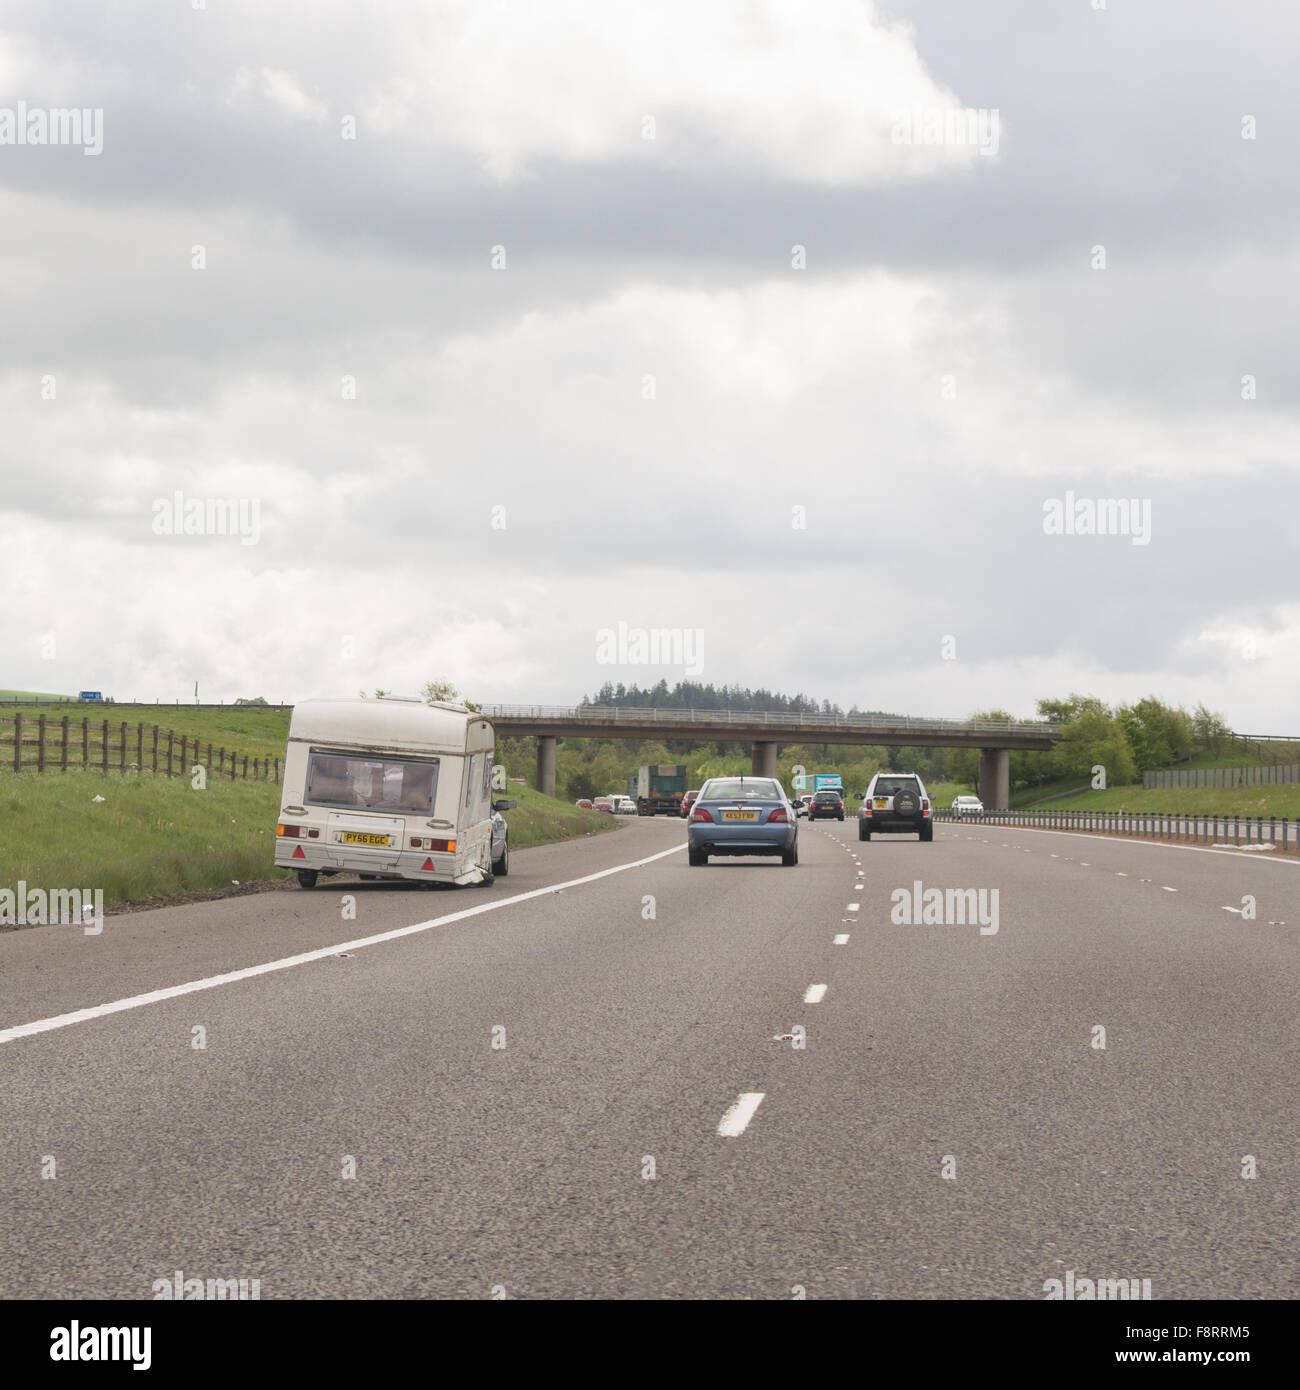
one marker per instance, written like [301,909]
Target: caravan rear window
[372,784]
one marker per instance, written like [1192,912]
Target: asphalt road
[638,1008]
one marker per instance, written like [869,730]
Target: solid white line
[157,996]
[842,939]
[733,1123]
[814,994]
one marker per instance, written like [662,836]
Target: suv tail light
[925,805]
[701,814]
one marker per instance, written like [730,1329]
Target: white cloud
[803,92]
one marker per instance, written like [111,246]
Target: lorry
[658,788]
[390,788]
[812,783]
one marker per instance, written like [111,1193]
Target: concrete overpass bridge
[994,738]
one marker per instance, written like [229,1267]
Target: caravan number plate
[354,837]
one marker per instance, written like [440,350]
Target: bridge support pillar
[546,764]
[995,778]
[762,761]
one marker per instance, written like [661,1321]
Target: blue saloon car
[742,815]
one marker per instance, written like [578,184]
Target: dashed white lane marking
[1119,873]
[814,994]
[732,1124]
[1083,864]
[157,996]
[852,907]
[1167,889]
[1232,909]
[842,939]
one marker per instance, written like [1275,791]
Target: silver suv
[895,803]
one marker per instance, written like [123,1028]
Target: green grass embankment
[157,840]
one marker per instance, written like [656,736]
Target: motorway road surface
[644,1012]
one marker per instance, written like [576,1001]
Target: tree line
[1124,740]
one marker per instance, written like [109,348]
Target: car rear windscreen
[733,789]
[372,784]
[887,786]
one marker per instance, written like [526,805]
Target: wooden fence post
[171,734]
[245,778]
[63,756]
[18,742]
[139,747]
[103,749]
[85,741]
[185,762]
[155,748]
[40,743]
[122,761]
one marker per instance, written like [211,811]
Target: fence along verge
[44,744]
[1274,832]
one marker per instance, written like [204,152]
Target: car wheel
[307,878]
[927,832]
[790,857]
[696,858]
[501,867]
[863,833]
[841,819]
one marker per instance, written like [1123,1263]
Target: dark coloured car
[895,803]
[826,806]
[688,801]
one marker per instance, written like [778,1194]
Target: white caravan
[389,788]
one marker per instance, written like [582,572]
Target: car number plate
[882,803]
[354,837]
[740,815]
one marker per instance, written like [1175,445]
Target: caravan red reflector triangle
[297,853]
[428,864]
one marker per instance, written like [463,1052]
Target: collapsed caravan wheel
[307,878]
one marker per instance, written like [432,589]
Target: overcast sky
[491,318]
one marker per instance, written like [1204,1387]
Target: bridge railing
[614,714]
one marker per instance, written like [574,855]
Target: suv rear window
[887,786]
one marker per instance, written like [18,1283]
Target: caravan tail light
[441,846]
[297,832]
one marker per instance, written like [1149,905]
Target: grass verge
[156,840]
